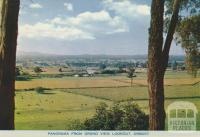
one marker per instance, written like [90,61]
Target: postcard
[99,68]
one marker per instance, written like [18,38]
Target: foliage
[37,70]
[118,117]
[187,8]
[188,30]
[39,90]
[188,35]
[23,78]
[17,71]
[131,71]
[20,75]
[191,6]
[60,70]
[193,62]
[120,67]
[76,125]
[108,72]
[25,73]
[102,66]
[134,118]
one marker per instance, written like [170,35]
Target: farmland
[69,98]
[171,79]
[53,110]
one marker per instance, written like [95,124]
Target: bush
[108,72]
[39,90]
[119,117]
[134,118]
[17,71]
[25,73]
[23,78]
[76,125]
[37,70]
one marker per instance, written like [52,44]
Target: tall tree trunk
[8,41]
[158,56]
[155,71]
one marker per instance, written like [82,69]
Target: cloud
[35,6]
[46,30]
[126,8]
[69,6]
[87,25]
[94,22]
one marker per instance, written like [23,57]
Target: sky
[74,27]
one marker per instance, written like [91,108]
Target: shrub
[108,72]
[102,66]
[134,118]
[76,125]
[37,70]
[25,73]
[23,78]
[119,117]
[39,90]
[17,71]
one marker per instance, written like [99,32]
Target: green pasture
[57,108]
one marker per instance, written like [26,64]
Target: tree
[102,66]
[39,90]
[174,65]
[131,71]
[158,52]
[60,70]
[37,70]
[188,35]
[128,116]
[8,41]
[17,71]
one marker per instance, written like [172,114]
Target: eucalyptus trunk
[9,10]
[155,71]
[158,56]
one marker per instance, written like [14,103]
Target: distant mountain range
[24,54]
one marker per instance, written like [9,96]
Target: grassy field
[52,110]
[57,109]
[72,98]
[110,81]
[71,82]
[136,92]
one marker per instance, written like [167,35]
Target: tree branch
[170,33]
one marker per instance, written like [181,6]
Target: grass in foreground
[53,110]
[57,109]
